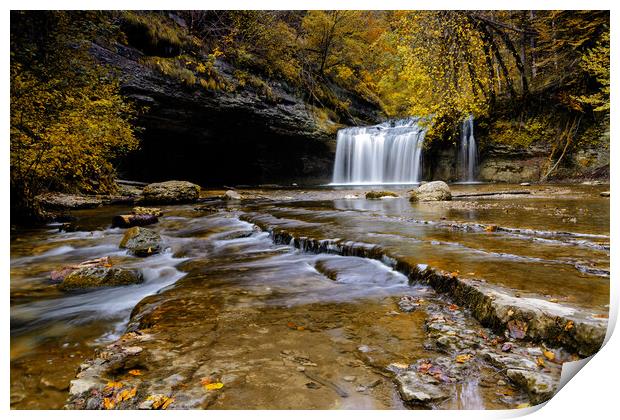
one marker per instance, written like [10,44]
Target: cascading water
[469,153]
[387,153]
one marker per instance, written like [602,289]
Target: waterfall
[387,153]
[469,153]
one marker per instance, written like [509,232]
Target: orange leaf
[135,372]
[549,354]
[213,386]
[462,358]
[108,403]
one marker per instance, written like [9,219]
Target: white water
[387,153]
[468,156]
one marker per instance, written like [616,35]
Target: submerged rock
[605,194]
[432,191]
[141,242]
[375,195]
[129,220]
[88,277]
[171,192]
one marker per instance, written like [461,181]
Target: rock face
[141,242]
[87,277]
[226,137]
[171,192]
[432,191]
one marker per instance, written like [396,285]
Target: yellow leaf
[549,354]
[213,386]
[569,325]
[114,385]
[523,405]
[108,403]
[462,358]
[135,372]
[160,401]
[540,362]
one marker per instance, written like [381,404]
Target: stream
[286,325]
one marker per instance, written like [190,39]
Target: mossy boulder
[89,277]
[141,242]
[431,191]
[170,192]
[376,195]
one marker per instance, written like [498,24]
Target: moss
[375,195]
[155,34]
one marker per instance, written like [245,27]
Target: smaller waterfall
[468,155]
[387,153]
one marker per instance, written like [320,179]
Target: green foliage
[68,119]
[539,129]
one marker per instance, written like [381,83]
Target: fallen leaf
[114,385]
[569,325]
[135,372]
[510,312]
[213,386]
[160,401]
[291,324]
[600,316]
[453,307]
[462,358]
[399,365]
[454,274]
[108,403]
[523,405]
[126,394]
[301,328]
[424,367]
[549,354]
[540,362]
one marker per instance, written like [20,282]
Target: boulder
[57,276]
[605,194]
[232,195]
[141,242]
[170,192]
[375,195]
[129,220]
[432,191]
[87,277]
[416,388]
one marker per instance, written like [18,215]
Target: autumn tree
[68,120]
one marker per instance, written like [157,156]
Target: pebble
[301,369]
[360,389]
[349,378]
[501,382]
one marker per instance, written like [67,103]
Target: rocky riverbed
[317,298]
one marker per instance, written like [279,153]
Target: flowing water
[286,328]
[387,153]
[468,155]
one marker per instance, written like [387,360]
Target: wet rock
[60,201]
[540,387]
[154,211]
[408,304]
[349,378]
[605,194]
[59,275]
[130,220]
[88,277]
[432,191]
[141,242]
[232,195]
[170,192]
[416,388]
[525,184]
[375,195]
